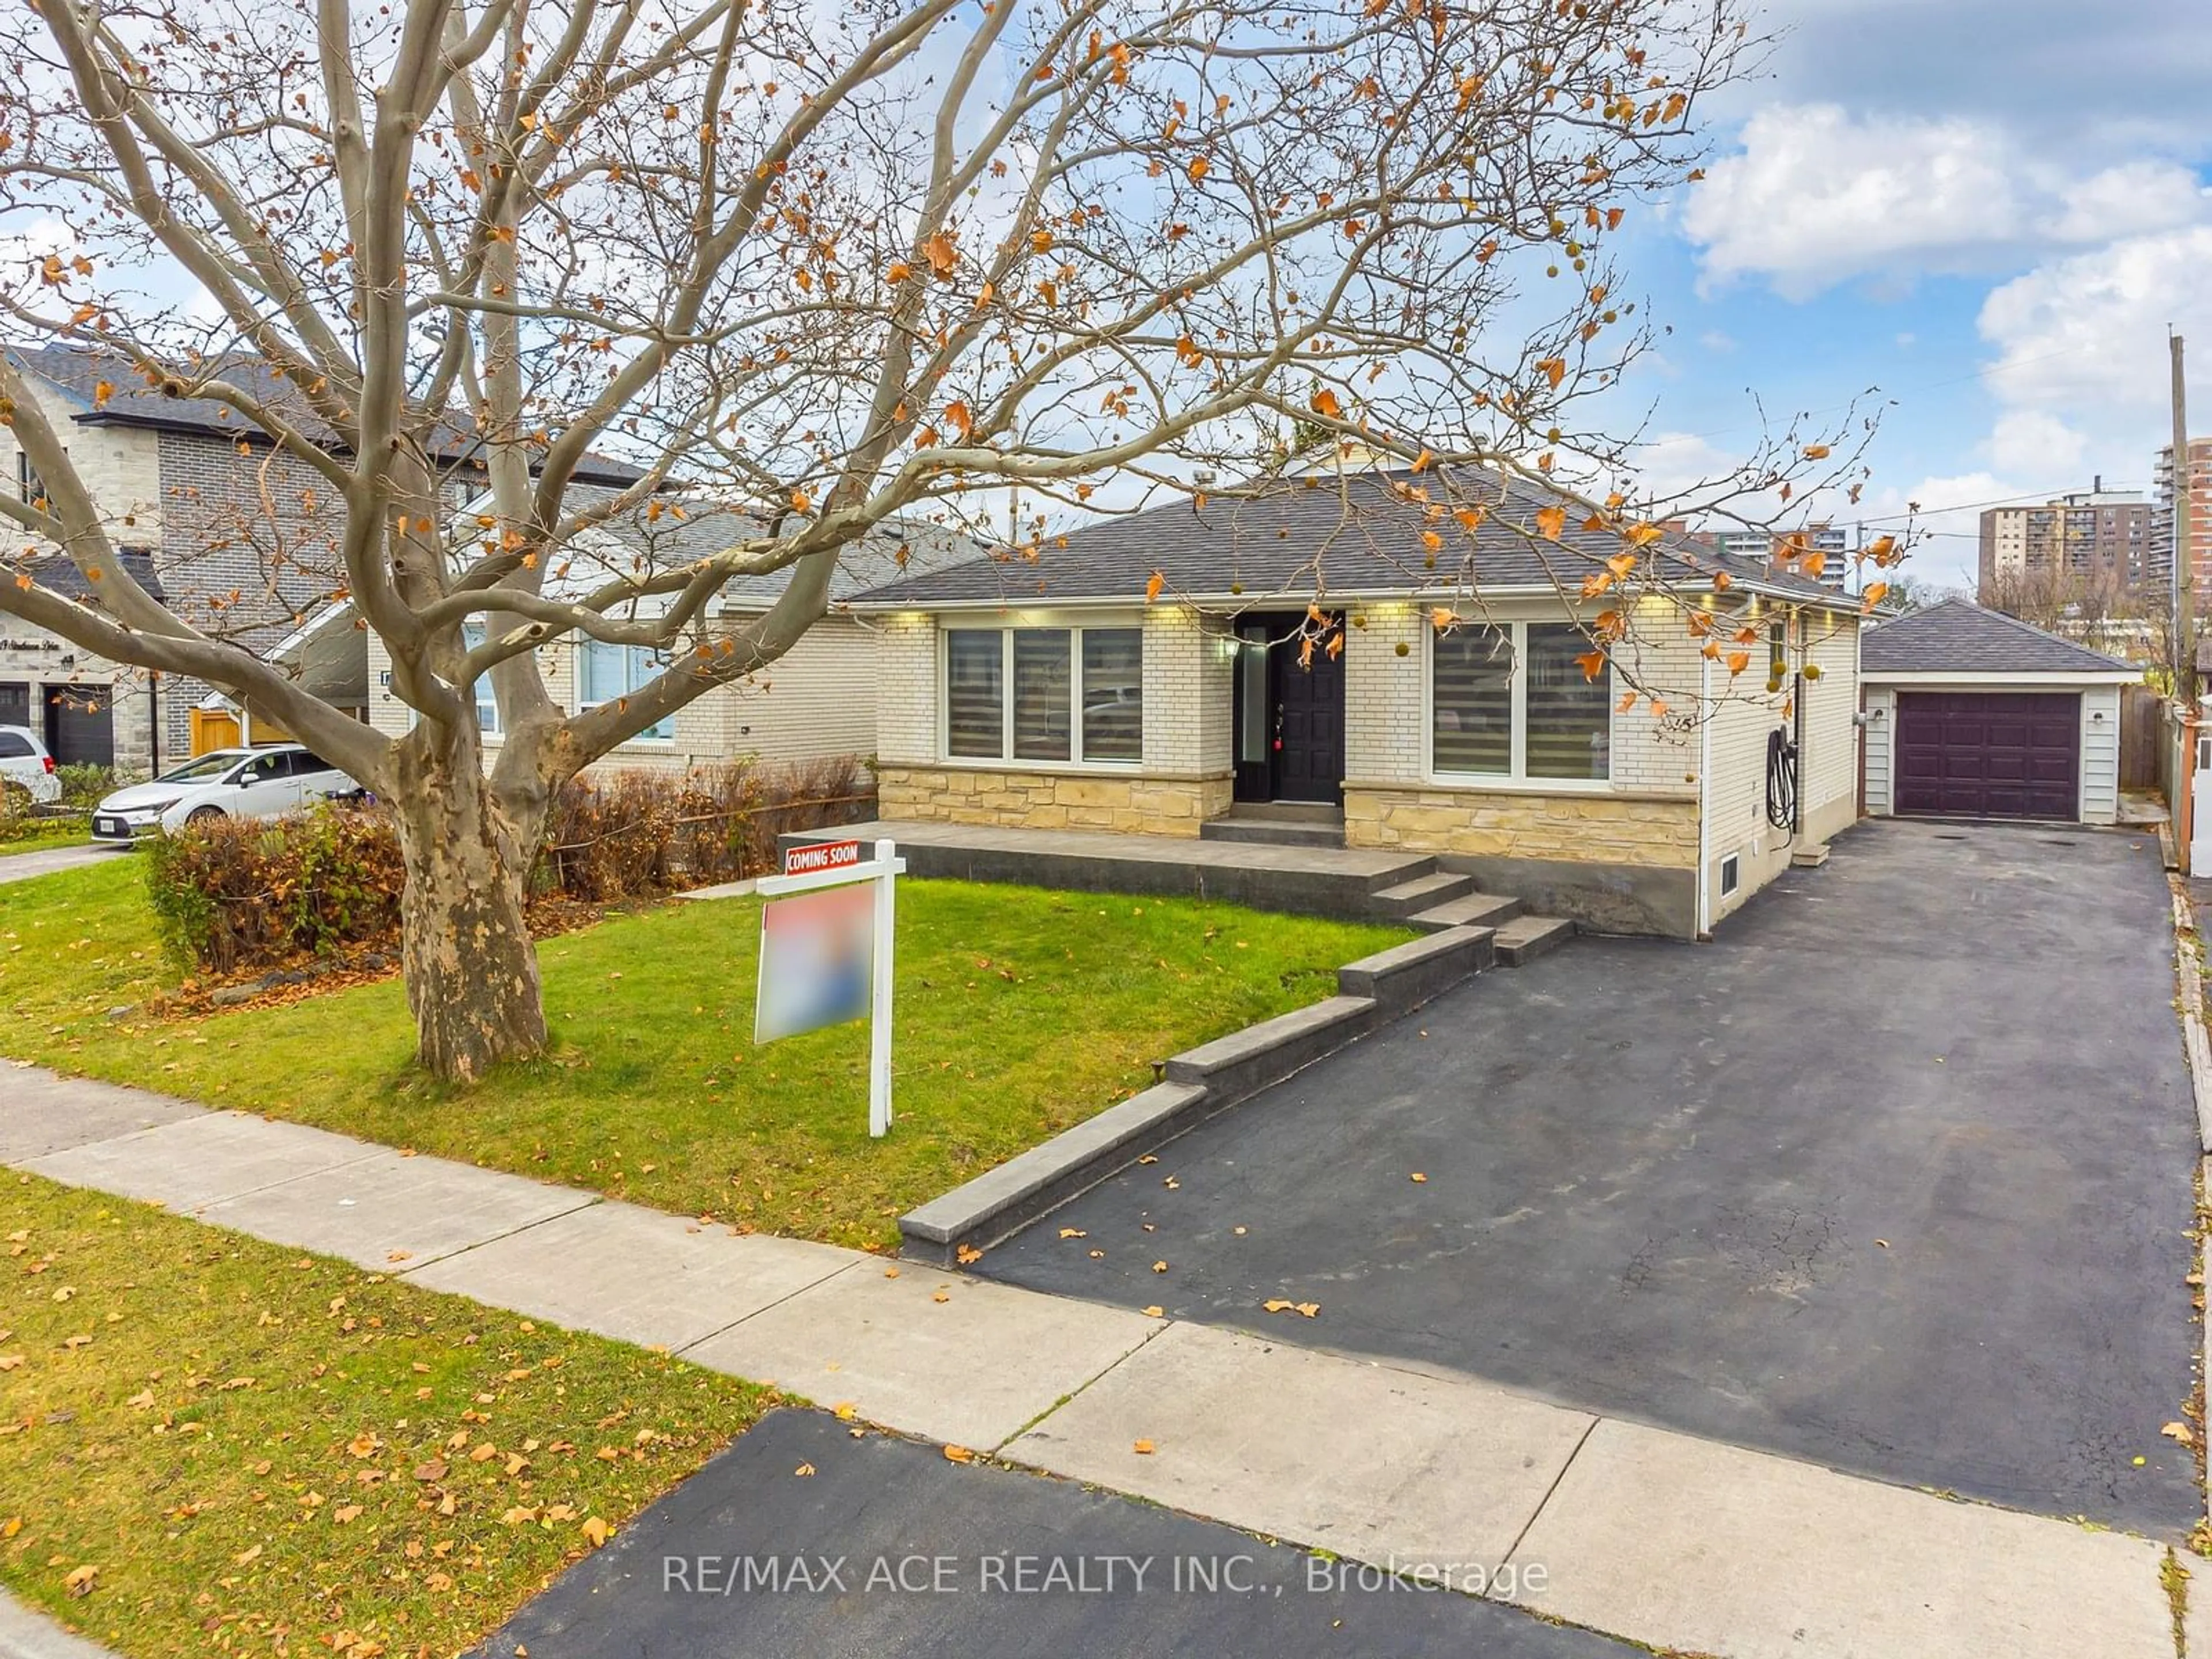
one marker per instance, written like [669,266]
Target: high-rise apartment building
[1823,538]
[2200,516]
[2095,539]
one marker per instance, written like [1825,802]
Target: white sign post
[837,864]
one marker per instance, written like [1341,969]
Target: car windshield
[206,767]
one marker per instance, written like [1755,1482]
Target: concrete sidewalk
[22,866]
[1654,1536]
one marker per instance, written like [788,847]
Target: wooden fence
[2142,728]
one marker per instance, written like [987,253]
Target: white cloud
[1817,194]
[2036,444]
[2087,332]
[1947,528]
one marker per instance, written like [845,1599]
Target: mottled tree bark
[471,968]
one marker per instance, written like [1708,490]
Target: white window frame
[1517,779]
[629,689]
[472,636]
[1005,761]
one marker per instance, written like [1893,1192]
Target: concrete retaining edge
[1200,1082]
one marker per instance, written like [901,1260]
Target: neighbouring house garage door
[1990,754]
[80,726]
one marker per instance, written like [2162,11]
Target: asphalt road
[886,1548]
[1893,1177]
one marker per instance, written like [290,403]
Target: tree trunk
[470,968]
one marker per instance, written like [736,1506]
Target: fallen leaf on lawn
[247,1557]
[1143,1448]
[365,1444]
[804,1470]
[483,1453]
[448,1504]
[11,1526]
[79,1582]
[66,1294]
[141,1402]
[345,1513]
[2180,1431]
[516,1463]
[519,1517]
[1155,1313]
[435,1469]
[595,1531]
[958,1455]
[77,1342]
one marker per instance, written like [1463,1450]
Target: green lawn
[1019,1011]
[74,833]
[208,1443]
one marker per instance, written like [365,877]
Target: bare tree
[829,266]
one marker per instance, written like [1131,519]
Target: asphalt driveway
[1894,1176]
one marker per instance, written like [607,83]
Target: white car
[24,760]
[236,783]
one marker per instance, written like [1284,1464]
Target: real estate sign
[825,953]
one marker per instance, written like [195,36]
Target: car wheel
[202,814]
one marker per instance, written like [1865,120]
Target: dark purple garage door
[1990,754]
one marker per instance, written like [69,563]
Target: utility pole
[2185,579]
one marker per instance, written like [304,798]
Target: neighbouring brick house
[1056,695]
[238,532]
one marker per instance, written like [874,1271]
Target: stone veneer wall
[1656,831]
[1140,804]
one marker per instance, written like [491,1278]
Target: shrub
[230,894]
[84,786]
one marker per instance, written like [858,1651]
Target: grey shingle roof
[1959,636]
[80,369]
[706,528]
[1360,533]
[57,573]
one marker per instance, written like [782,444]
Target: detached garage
[1974,713]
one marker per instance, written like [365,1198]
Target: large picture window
[606,672]
[1513,702]
[1061,695]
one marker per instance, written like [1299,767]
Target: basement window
[1731,873]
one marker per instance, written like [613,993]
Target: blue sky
[1989,209]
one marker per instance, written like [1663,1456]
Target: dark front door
[1308,724]
[80,726]
[1988,754]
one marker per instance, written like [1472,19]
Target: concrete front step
[1274,832]
[1522,940]
[1469,910]
[1422,893]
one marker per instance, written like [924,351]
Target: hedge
[232,895]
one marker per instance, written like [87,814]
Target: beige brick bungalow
[1054,693]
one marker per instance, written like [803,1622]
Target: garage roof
[1959,637]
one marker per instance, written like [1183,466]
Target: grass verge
[210,1443]
[1018,1011]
